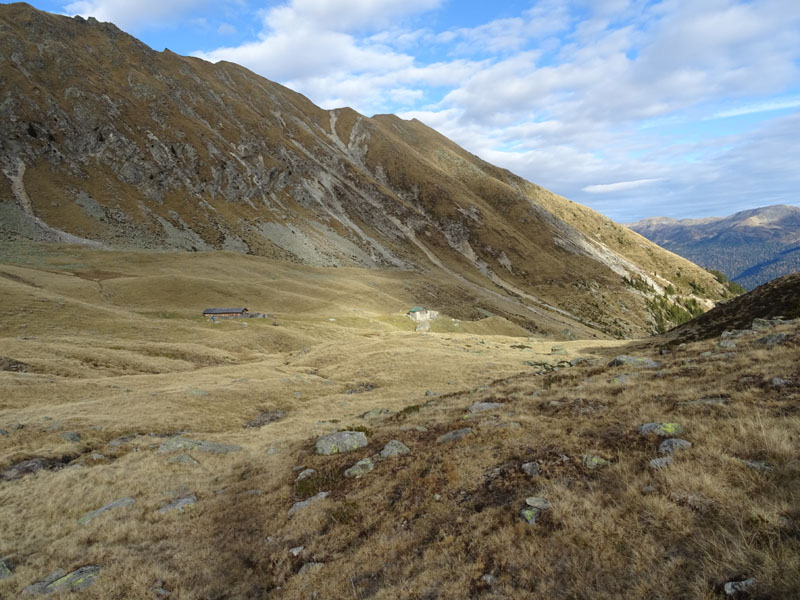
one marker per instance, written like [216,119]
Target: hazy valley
[751,247]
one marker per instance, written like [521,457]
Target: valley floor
[114,388]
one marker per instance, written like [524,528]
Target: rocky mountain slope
[106,143]
[750,247]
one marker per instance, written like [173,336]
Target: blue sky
[683,108]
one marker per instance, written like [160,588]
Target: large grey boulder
[120,503]
[341,441]
[181,443]
[534,509]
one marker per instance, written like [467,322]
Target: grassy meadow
[114,349]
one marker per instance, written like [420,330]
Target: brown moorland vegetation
[120,356]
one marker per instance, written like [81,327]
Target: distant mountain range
[750,247]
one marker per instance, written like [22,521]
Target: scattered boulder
[181,443]
[482,406]
[9,364]
[120,503]
[779,382]
[489,579]
[27,467]
[265,417]
[180,504]
[296,551]
[726,344]
[6,568]
[305,474]
[394,448]
[341,441]
[60,581]
[773,339]
[738,589]
[661,463]
[757,465]
[531,469]
[453,436]
[3,432]
[362,388]
[71,436]
[304,503]
[634,361]
[661,429]
[593,462]
[362,467]
[376,413]
[672,445]
[534,509]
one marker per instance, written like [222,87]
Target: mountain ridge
[750,247]
[111,144]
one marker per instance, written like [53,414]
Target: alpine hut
[225,313]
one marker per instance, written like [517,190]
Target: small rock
[431,393]
[592,462]
[716,401]
[772,339]
[738,588]
[376,413]
[341,441]
[778,382]
[120,503]
[181,443]
[183,459]
[452,436]
[96,456]
[649,489]
[303,504]
[535,508]
[61,582]
[482,406]
[672,445]
[661,463]
[362,467]
[180,504]
[6,568]
[160,590]
[532,469]
[29,466]
[265,418]
[394,448]
[726,344]
[305,474]
[489,579]
[3,432]
[310,566]
[661,429]
[71,436]
[272,451]
[758,465]
[634,361]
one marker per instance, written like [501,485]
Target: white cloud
[620,186]
[750,109]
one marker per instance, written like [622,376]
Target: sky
[680,108]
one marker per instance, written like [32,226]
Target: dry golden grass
[133,359]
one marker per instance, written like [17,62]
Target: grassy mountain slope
[111,144]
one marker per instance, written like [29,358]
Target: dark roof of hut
[224,311]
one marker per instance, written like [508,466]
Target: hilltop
[106,143]
[750,247]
